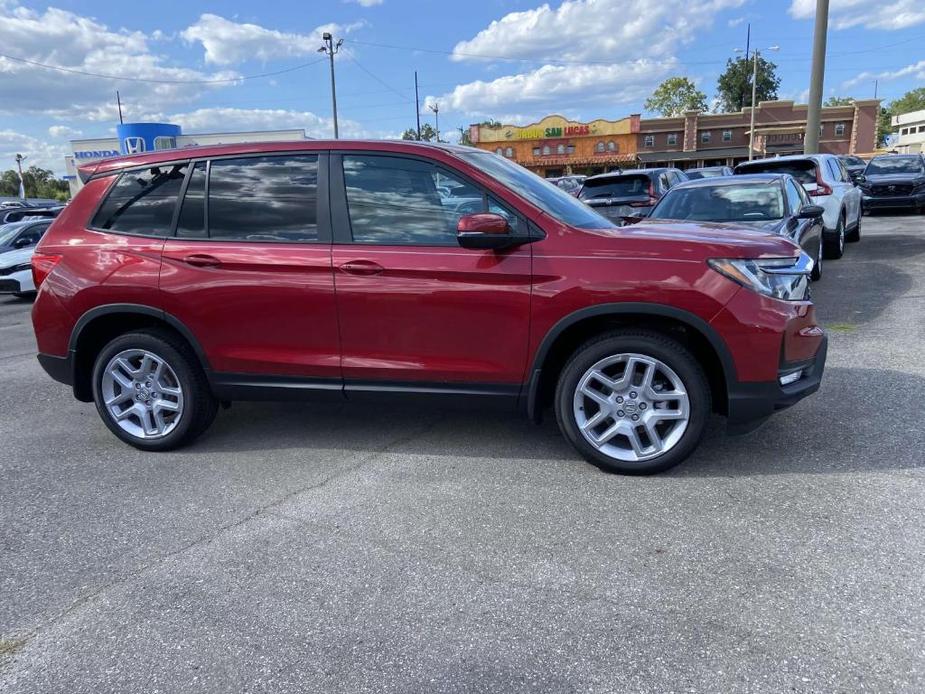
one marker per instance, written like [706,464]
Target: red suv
[179,280]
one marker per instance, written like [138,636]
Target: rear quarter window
[142,201]
[803,171]
[621,187]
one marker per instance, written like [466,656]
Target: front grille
[892,189]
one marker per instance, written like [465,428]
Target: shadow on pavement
[861,420]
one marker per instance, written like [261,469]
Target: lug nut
[642,406]
[633,395]
[137,386]
[620,413]
[635,417]
[619,398]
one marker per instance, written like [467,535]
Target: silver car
[829,185]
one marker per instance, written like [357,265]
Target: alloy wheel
[142,394]
[631,407]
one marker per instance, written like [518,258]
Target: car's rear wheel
[151,392]
[634,402]
[835,242]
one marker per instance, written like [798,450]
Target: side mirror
[811,212]
[22,243]
[630,219]
[859,178]
[483,230]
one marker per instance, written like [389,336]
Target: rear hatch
[616,197]
[804,170]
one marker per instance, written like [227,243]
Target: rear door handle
[361,267]
[202,260]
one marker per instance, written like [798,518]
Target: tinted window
[803,171]
[142,202]
[271,198]
[33,234]
[394,201]
[192,220]
[722,203]
[616,187]
[795,196]
[895,165]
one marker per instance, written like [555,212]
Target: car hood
[691,241]
[16,257]
[895,178]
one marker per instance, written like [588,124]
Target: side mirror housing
[811,212]
[860,178]
[483,230]
[22,243]
[631,219]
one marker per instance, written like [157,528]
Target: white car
[829,185]
[16,272]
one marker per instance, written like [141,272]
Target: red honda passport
[178,280]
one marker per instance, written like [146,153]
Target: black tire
[834,242]
[817,268]
[199,407]
[648,343]
[854,235]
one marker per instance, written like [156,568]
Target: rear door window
[267,198]
[142,201]
[616,187]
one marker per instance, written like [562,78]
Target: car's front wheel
[633,402]
[151,392]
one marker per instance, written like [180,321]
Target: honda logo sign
[134,145]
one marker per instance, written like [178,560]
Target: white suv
[827,181]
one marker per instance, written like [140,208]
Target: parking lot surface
[361,549]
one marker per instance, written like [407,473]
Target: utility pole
[22,181]
[751,130]
[119,103]
[748,41]
[876,84]
[817,77]
[330,48]
[417,105]
[435,107]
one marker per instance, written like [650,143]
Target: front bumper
[8,286]
[872,202]
[751,403]
[59,368]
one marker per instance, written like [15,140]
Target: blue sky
[513,60]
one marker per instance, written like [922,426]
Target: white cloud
[226,42]
[38,152]
[61,131]
[593,30]
[221,119]
[888,14]
[916,71]
[735,22]
[68,40]
[553,86]
[366,3]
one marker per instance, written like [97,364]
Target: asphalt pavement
[320,548]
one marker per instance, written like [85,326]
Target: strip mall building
[556,146]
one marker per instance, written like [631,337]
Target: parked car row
[17,244]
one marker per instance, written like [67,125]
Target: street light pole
[435,107]
[331,49]
[814,108]
[751,129]
[22,181]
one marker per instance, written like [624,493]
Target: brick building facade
[557,146]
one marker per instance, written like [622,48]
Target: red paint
[440,314]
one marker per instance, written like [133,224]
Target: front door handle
[202,260]
[361,267]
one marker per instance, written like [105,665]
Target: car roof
[739,179]
[204,151]
[23,223]
[899,156]
[627,172]
[707,168]
[789,157]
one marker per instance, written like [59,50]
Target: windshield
[803,171]
[704,173]
[549,198]
[8,233]
[722,203]
[895,165]
[616,187]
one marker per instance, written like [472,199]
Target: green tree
[676,95]
[428,134]
[464,138]
[38,182]
[838,101]
[910,101]
[884,126]
[734,86]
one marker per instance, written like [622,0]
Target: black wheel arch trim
[622,309]
[143,310]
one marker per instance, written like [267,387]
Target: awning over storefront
[718,153]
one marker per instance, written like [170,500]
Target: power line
[75,71]
[380,81]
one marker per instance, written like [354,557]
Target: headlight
[781,278]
